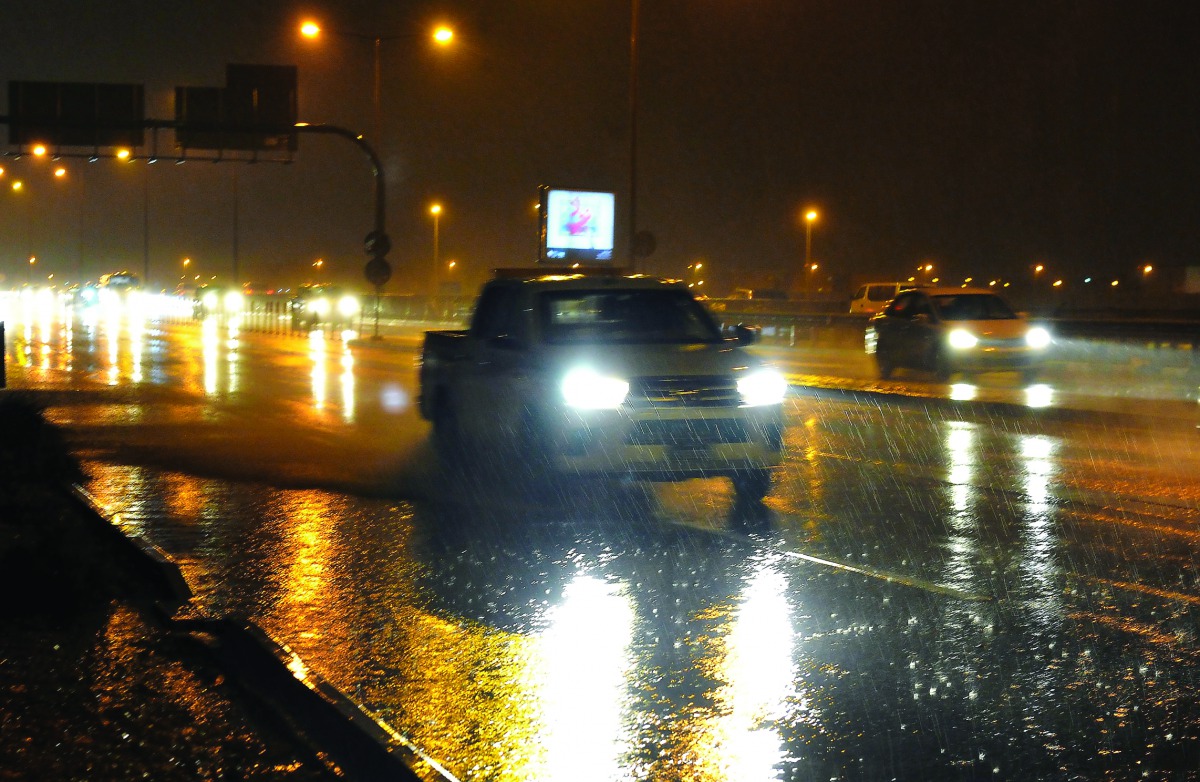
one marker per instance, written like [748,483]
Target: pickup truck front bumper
[665,444]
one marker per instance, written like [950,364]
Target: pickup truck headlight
[233,301]
[961,339]
[1037,338]
[210,300]
[762,387]
[348,306]
[589,390]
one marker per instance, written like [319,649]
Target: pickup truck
[604,374]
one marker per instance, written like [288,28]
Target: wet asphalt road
[933,590]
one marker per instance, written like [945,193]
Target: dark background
[984,137]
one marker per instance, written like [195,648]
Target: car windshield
[671,316]
[972,306]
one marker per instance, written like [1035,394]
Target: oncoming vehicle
[318,305]
[605,375]
[213,300]
[949,330]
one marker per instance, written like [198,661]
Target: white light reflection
[760,680]
[1039,543]
[316,352]
[960,443]
[963,392]
[137,341]
[210,342]
[586,656]
[347,383]
[1039,395]
[394,398]
[111,328]
[232,345]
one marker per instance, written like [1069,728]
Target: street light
[436,211]
[442,36]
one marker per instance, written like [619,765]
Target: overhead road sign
[76,114]
[255,111]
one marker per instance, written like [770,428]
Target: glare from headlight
[589,390]
[319,306]
[211,300]
[762,387]
[233,301]
[1037,338]
[961,339]
[348,306]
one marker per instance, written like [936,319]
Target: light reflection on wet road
[932,591]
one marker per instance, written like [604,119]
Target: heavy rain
[935,587]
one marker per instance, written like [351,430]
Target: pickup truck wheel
[447,437]
[752,485]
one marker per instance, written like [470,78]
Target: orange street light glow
[310,30]
[443,35]
[39,150]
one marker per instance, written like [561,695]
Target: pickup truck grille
[675,392]
[687,433]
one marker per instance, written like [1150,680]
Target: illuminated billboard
[577,226]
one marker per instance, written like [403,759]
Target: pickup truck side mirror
[746,335]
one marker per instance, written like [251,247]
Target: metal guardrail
[782,323]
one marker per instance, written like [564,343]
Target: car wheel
[884,363]
[751,485]
[940,366]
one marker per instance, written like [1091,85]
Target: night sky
[983,137]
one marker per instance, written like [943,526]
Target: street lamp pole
[436,211]
[810,217]
[441,35]
[633,106]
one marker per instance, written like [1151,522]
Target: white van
[871,297]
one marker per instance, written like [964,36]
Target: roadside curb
[349,740]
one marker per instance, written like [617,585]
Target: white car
[955,330]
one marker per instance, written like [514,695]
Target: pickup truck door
[498,389]
[493,385]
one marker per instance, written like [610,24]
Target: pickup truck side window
[495,315]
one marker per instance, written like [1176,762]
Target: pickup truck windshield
[671,316]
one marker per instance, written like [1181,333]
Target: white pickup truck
[604,374]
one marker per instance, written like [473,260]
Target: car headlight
[210,300]
[589,390]
[319,306]
[961,339]
[233,301]
[348,306]
[762,387]
[1037,338]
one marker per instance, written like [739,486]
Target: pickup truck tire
[752,485]
[447,437]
